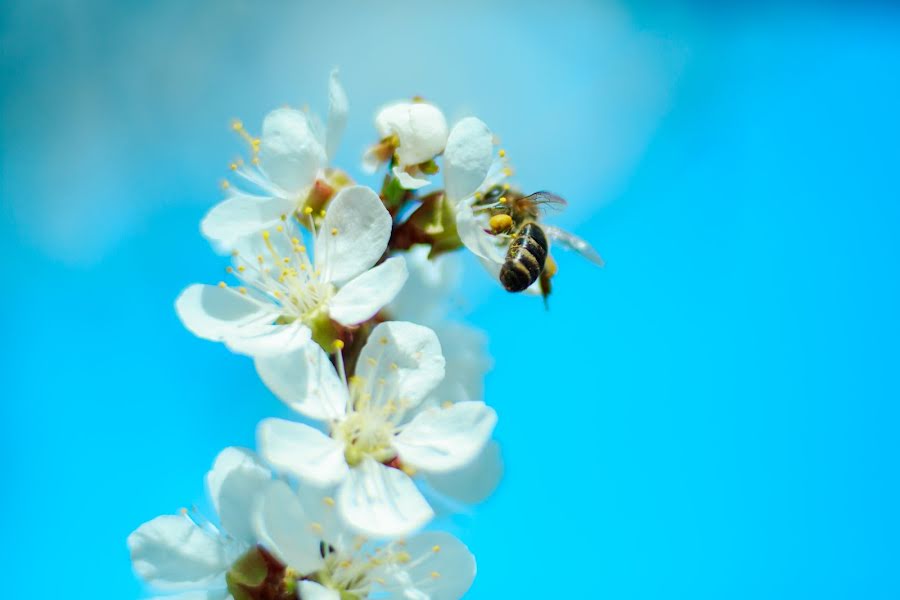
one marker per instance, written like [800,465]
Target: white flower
[413,133]
[431,285]
[292,153]
[181,553]
[287,293]
[379,428]
[329,563]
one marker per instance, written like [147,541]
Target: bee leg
[545,288]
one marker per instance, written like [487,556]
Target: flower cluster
[338,294]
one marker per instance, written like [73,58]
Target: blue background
[714,415]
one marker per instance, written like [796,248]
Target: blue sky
[713,415]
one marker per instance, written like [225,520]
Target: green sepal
[250,570]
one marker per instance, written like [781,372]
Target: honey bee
[528,256]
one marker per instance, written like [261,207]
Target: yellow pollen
[383,341]
[237,125]
[229,270]
[255,160]
[183,511]
[286,259]
[242,290]
[338,344]
[225,185]
[282,217]
[435,548]
[295,241]
[329,501]
[507,171]
[500,223]
[334,231]
[479,196]
[302,267]
[446,404]
[316,527]
[435,574]
[233,166]
[222,284]
[502,153]
[506,187]
[345,564]
[279,228]
[277,294]
[403,557]
[411,471]
[234,252]
[307,210]
[394,367]
[371,361]
[259,259]
[241,268]
[502,200]
[322,213]
[265,234]
[379,580]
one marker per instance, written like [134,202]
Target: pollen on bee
[502,200]
[500,223]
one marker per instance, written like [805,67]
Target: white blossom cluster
[339,295]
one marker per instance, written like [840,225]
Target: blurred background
[714,415]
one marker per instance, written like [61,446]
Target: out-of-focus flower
[288,297]
[380,431]
[183,553]
[330,563]
[413,134]
[289,166]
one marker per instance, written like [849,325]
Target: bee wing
[572,242]
[546,200]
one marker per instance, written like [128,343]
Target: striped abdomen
[524,259]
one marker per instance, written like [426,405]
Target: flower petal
[242,214]
[171,552]
[467,362]
[420,127]
[305,380]
[338,106]
[404,356]
[381,502]
[364,295]
[216,313]
[353,235]
[271,341]
[474,482]
[440,568]
[444,439]
[467,158]
[302,451]
[285,529]
[290,155]
[234,483]
[310,590]
[407,181]
[471,229]
[216,594]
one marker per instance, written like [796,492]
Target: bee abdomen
[524,259]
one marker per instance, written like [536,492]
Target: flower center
[365,432]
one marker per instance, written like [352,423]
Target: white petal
[302,451]
[234,484]
[171,552]
[407,181]
[430,285]
[215,313]
[271,341]
[444,439]
[440,568]
[310,590]
[474,482]
[305,380]
[471,230]
[354,234]
[370,161]
[381,502]
[338,106]
[289,152]
[407,357]
[467,362]
[421,128]
[243,214]
[467,158]
[363,296]
[285,529]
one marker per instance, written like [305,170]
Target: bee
[528,256]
